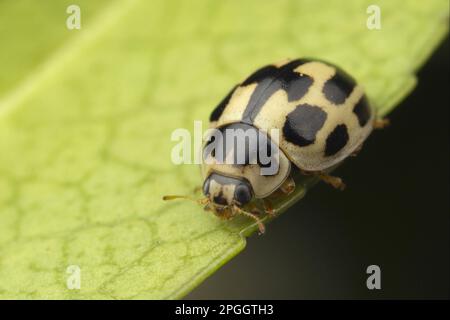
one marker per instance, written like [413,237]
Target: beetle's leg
[336,182]
[253,208]
[261,226]
[268,207]
[288,186]
[380,123]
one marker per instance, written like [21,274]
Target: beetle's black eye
[242,193]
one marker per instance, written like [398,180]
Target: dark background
[394,213]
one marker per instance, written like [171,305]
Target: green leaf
[86,118]
[31,34]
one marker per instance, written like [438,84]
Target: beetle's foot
[381,123]
[261,226]
[268,208]
[288,186]
[254,216]
[336,182]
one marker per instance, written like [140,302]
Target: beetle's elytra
[322,116]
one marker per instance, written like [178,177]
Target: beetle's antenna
[174,197]
[261,226]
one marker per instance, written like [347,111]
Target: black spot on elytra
[261,74]
[337,139]
[362,111]
[303,123]
[271,79]
[339,87]
[297,86]
[217,112]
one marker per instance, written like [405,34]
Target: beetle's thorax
[239,151]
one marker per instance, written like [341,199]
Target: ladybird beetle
[322,115]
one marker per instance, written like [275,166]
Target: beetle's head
[225,196]
[224,191]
